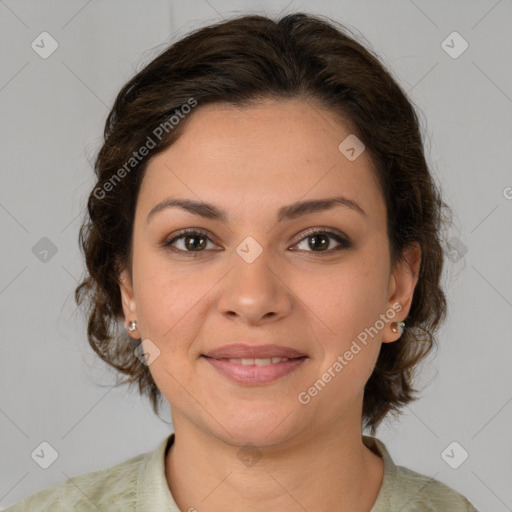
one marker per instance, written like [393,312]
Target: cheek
[169,306]
[168,302]
[346,308]
[347,300]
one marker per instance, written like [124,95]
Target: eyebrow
[289,212]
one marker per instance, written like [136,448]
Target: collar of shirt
[153,492]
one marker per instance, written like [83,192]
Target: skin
[250,162]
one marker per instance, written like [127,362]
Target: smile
[258,362]
[255,371]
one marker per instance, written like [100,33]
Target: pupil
[323,244]
[193,246]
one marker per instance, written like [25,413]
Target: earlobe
[401,290]
[405,277]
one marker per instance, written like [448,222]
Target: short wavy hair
[241,61]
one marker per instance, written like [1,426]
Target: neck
[330,470]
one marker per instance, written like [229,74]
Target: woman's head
[253,116]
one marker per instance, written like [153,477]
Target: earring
[132,326]
[398,328]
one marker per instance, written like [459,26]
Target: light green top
[139,485]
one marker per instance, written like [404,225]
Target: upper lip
[240,350]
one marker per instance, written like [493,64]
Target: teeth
[258,362]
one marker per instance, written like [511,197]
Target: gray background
[53,387]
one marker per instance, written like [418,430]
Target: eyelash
[344,243]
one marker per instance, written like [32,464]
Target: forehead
[272,153]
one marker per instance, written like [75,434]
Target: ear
[128,300]
[401,288]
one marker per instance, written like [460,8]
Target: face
[255,271]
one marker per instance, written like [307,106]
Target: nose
[255,293]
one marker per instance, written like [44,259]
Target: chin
[263,426]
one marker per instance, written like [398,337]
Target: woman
[267,229]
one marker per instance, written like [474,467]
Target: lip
[253,374]
[241,350]
[221,359]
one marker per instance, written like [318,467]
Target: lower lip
[253,374]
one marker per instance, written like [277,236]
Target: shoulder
[408,491]
[96,490]
[416,492]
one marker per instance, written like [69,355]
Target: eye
[194,241]
[320,240]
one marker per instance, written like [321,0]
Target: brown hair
[240,61]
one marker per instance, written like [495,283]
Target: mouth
[244,351]
[256,361]
[254,365]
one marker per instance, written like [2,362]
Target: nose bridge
[253,289]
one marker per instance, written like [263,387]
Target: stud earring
[132,326]
[398,327]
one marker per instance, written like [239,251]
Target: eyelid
[343,240]
[167,241]
[322,229]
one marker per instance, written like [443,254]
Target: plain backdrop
[52,111]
